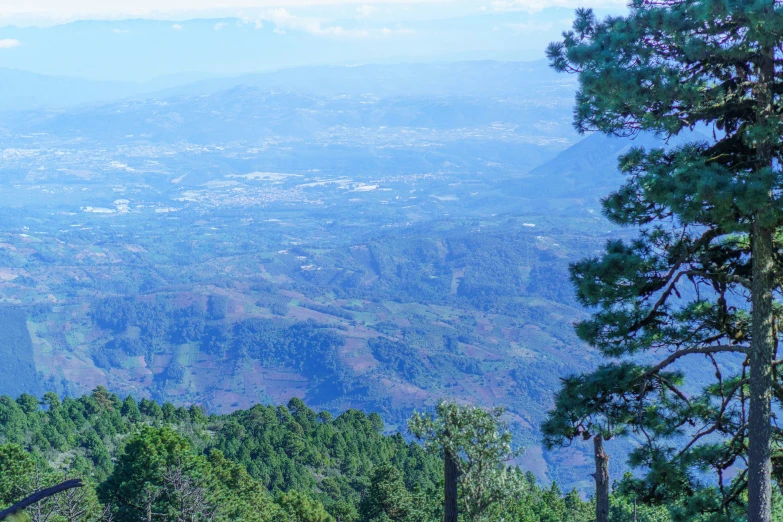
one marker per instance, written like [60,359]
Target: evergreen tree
[103,399]
[477,444]
[51,400]
[197,414]
[241,497]
[151,409]
[696,286]
[16,468]
[387,497]
[238,467]
[137,485]
[28,403]
[130,410]
[301,508]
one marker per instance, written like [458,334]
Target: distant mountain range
[588,169]
[474,117]
[473,78]
[21,90]
[268,39]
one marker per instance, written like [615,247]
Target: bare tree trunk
[601,480]
[451,474]
[761,380]
[71,505]
[762,349]
[149,499]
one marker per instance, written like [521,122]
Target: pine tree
[301,508]
[130,410]
[477,443]
[137,487]
[695,288]
[387,497]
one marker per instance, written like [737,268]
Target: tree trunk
[762,349]
[451,474]
[601,480]
[761,357]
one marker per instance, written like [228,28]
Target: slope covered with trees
[146,461]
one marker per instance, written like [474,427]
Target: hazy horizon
[232,41]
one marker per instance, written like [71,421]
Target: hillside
[285,463]
[17,365]
[356,251]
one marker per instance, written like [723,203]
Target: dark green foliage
[266,464]
[387,497]
[400,357]
[331,310]
[130,346]
[548,504]
[677,298]
[217,306]
[286,449]
[306,347]
[151,409]
[196,414]
[138,476]
[114,313]
[15,467]
[284,446]
[187,325]
[28,403]
[300,507]
[17,367]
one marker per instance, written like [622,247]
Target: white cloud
[44,12]
[365,10]
[539,5]
[220,25]
[284,20]
[48,12]
[9,43]
[392,32]
[531,26]
[177,27]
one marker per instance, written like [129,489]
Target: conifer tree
[691,297]
[387,495]
[130,409]
[477,443]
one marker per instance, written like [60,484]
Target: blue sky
[143,39]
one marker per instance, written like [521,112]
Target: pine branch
[40,495]
[690,351]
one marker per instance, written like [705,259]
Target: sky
[138,40]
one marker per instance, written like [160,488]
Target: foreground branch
[706,350]
[40,495]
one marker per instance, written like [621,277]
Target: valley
[240,246]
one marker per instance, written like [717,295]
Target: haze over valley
[339,241]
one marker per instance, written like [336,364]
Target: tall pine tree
[691,299]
